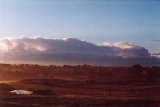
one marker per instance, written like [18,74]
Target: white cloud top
[122,45]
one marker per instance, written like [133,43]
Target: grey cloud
[73,51]
[156,54]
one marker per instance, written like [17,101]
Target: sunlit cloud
[122,45]
[73,50]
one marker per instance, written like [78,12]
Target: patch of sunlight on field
[6,81]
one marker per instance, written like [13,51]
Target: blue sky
[135,21]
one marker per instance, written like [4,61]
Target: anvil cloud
[73,51]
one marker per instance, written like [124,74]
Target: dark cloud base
[75,59]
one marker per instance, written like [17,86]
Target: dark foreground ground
[63,93]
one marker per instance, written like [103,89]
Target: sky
[96,21]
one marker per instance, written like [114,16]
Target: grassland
[86,91]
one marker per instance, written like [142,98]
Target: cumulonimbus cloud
[73,51]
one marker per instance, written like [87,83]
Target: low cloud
[156,54]
[73,51]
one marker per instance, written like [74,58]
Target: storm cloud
[73,51]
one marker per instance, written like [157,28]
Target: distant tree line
[136,73]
